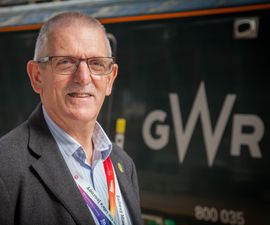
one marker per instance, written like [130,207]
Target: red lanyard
[108,167]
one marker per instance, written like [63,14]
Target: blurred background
[190,105]
[5,3]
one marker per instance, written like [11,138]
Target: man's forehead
[74,38]
[74,31]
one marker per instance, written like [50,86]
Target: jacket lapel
[53,171]
[127,191]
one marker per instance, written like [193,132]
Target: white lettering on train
[212,136]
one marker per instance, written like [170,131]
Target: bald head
[62,21]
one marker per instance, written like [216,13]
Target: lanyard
[102,219]
[91,198]
[93,202]
[111,184]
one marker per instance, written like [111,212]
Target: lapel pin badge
[120,167]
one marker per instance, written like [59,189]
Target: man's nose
[82,74]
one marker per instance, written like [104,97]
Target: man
[59,167]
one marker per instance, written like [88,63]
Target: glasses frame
[49,59]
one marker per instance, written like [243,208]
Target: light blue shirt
[75,158]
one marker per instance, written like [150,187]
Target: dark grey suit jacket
[36,187]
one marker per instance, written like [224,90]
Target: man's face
[77,98]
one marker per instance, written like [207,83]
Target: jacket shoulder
[14,139]
[13,151]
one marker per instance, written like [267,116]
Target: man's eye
[97,63]
[65,61]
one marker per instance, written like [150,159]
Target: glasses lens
[64,65]
[100,66]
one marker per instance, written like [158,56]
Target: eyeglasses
[67,65]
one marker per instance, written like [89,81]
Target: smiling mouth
[79,95]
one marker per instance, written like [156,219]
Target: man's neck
[81,131]
[83,135]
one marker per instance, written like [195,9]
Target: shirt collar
[69,145]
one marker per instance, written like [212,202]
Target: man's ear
[34,76]
[110,78]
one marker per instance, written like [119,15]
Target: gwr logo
[212,137]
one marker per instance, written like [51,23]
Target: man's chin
[84,116]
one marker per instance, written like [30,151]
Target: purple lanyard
[102,219]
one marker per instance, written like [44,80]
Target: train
[191,104]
